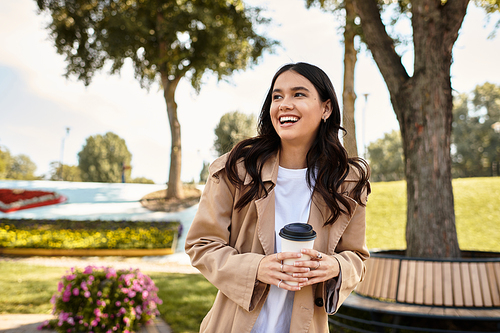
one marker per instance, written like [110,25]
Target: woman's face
[297,110]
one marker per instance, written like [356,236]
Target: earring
[324,119]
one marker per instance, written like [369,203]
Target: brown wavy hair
[327,161]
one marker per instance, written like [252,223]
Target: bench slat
[394,279]
[384,292]
[495,295]
[437,274]
[377,291]
[447,284]
[428,283]
[363,285]
[457,284]
[496,265]
[419,282]
[466,284]
[410,285]
[373,280]
[477,296]
[485,287]
[403,276]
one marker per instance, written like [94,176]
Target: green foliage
[103,157]
[476,211]
[232,128]
[70,173]
[66,234]
[476,145]
[168,38]
[386,158]
[18,167]
[204,172]
[5,161]
[141,180]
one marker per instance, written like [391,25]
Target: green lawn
[477,212]
[187,298]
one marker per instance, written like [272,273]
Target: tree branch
[454,12]
[381,45]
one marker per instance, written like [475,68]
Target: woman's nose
[286,104]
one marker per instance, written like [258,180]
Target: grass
[187,297]
[477,214]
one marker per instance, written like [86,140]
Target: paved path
[28,323]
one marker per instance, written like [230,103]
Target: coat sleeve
[351,252]
[207,244]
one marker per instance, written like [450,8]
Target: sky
[38,104]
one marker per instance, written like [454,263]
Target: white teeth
[288,119]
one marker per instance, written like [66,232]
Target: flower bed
[17,199]
[101,299]
[67,234]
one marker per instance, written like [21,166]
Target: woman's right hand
[272,270]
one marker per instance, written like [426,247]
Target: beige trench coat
[227,245]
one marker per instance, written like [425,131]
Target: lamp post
[62,154]
[364,125]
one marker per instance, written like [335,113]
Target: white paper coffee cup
[294,237]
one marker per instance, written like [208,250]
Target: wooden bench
[466,288]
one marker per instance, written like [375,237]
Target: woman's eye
[299,94]
[275,97]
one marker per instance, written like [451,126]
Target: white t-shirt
[292,204]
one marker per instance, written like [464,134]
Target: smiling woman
[295,170]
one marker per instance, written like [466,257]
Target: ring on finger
[281,268]
[277,257]
[319,256]
[319,264]
[279,283]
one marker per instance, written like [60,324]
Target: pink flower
[99,293]
[83,285]
[86,294]
[118,303]
[70,277]
[94,323]
[145,294]
[76,292]
[97,313]
[88,270]
[60,286]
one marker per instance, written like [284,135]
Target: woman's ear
[327,110]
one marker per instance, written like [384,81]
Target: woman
[295,170]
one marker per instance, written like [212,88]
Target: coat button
[318,301]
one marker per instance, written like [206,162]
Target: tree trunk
[423,106]
[349,96]
[174,189]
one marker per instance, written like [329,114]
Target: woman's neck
[293,157]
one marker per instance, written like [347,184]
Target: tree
[5,161]
[21,168]
[69,173]
[166,41]
[103,157]
[204,173]
[232,128]
[423,106]
[386,158]
[351,30]
[475,143]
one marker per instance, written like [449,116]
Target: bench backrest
[437,283]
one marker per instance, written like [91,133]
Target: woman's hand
[273,271]
[322,268]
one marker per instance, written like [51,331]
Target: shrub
[66,234]
[103,300]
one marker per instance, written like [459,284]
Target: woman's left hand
[322,267]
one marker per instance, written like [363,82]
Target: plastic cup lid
[298,232]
